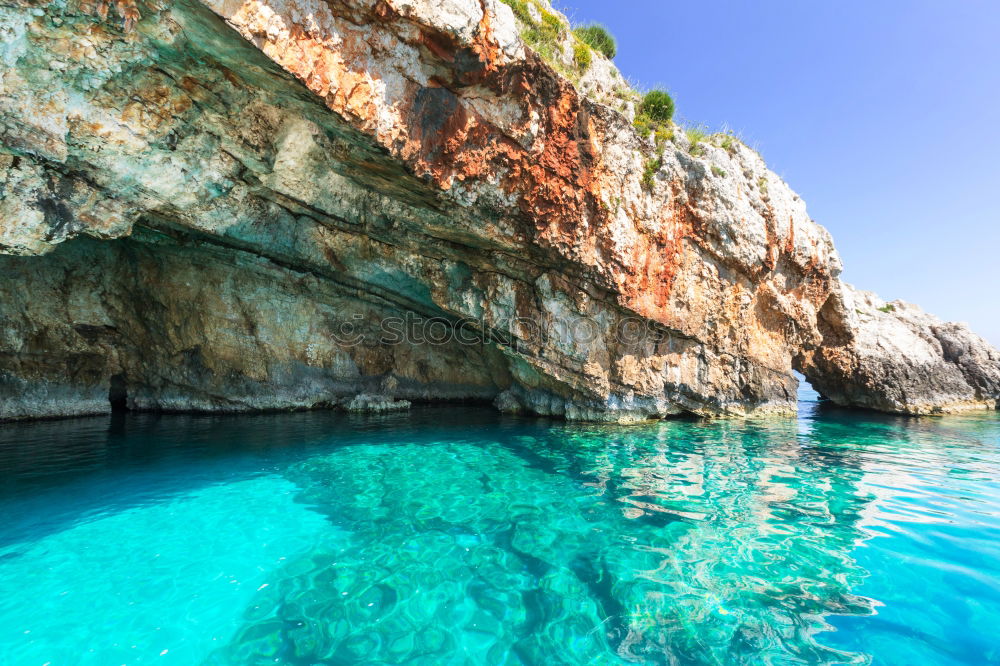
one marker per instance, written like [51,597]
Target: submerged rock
[366,402]
[279,203]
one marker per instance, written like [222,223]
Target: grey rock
[895,357]
[367,402]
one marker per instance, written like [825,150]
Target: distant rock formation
[895,357]
[278,204]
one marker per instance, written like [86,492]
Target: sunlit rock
[281,203]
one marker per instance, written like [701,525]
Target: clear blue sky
[883,114]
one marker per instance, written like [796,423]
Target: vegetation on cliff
[597,37]
[571,53]
[569,50]
[658,105]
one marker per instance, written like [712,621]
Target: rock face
[895,357]
[279,204]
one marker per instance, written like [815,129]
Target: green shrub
[762,185]
[658,105]
[598,38]
[581,55]
[718,171]
[653,165]
[888,307]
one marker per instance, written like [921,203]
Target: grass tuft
[552,25]
[542,36]
[582,55]
[696,134]
[520,9]
[728,143]
[762,185]
[597,37]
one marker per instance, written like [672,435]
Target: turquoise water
[456,536]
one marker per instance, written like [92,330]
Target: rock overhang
[416,158]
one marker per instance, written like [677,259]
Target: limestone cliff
[894,357]
[278,204]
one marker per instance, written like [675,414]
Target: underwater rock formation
[278,204]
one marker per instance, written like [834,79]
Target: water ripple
[475,539]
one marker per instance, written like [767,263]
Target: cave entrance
[806,392]
[118,394]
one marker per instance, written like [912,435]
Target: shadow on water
[73,468]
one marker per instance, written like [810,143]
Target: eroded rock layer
[286,203]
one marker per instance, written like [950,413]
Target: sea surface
[453,535]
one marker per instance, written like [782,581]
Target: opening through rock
[118,394]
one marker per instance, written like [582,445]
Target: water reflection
[830,538]
[683,542]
